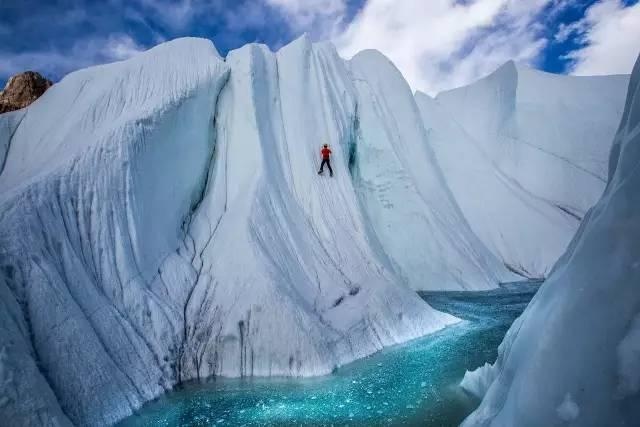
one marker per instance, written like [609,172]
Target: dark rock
[22,89]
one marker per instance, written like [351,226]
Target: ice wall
[524,153]
[407,201]
[572,357]
[161,220]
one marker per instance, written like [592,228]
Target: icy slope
[524,153]
[161,219]
[572,357]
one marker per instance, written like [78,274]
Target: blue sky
[437,44]
[554,56]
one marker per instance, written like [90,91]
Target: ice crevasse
[161,220]
[572,357]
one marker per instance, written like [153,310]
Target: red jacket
[325,153]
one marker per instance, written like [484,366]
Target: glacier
[524,153]
[572,357]
[161,220]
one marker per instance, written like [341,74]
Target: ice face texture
[525,155]
[573,354]
[403,191]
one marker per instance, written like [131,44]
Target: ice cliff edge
[572,356]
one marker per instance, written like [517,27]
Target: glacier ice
[579,335]
[525,155]
[477,382]
[161,220]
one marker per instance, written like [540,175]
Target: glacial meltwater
[411,384]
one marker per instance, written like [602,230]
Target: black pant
[328,163]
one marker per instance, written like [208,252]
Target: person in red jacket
[326,159]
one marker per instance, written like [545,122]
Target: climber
[326,159]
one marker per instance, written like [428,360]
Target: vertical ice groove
[208,181]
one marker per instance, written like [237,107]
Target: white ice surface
[578,337]
[525,155]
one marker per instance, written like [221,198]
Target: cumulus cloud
[442,44]
[610,33]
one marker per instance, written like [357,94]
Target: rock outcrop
[22,90]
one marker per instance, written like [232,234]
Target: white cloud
[611,34]
[120,47]
[320,16]
[567,30]
[440,44]
[84,53]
